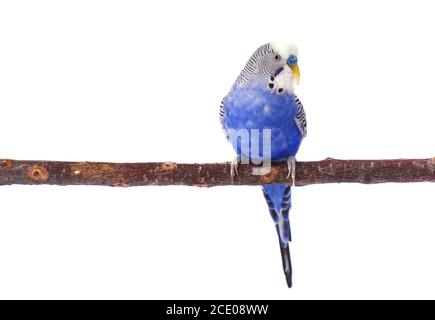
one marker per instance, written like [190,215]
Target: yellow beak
[295,68]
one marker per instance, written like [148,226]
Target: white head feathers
[285,48]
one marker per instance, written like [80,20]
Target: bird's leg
[291,166]
[234,165]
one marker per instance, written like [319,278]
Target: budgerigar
[263,98]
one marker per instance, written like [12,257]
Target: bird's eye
[277,57]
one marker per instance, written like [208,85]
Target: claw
[291,165]
[234,165]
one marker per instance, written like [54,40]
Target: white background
[142,81]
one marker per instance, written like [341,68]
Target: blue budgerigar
[263,100]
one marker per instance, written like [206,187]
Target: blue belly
[257,108]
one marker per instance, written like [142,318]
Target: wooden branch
[213,174]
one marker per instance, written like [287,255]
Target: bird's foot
[234,166]
[291,166]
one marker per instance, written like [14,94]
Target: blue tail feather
[278,199]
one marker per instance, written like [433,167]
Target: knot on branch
[38,173]
[6,163]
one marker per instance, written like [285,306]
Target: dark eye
[277,57]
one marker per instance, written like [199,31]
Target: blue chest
[256,108]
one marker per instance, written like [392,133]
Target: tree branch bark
[213,174]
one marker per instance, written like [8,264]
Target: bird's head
[288,56]
[276,64]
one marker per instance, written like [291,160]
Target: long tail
[278,199]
